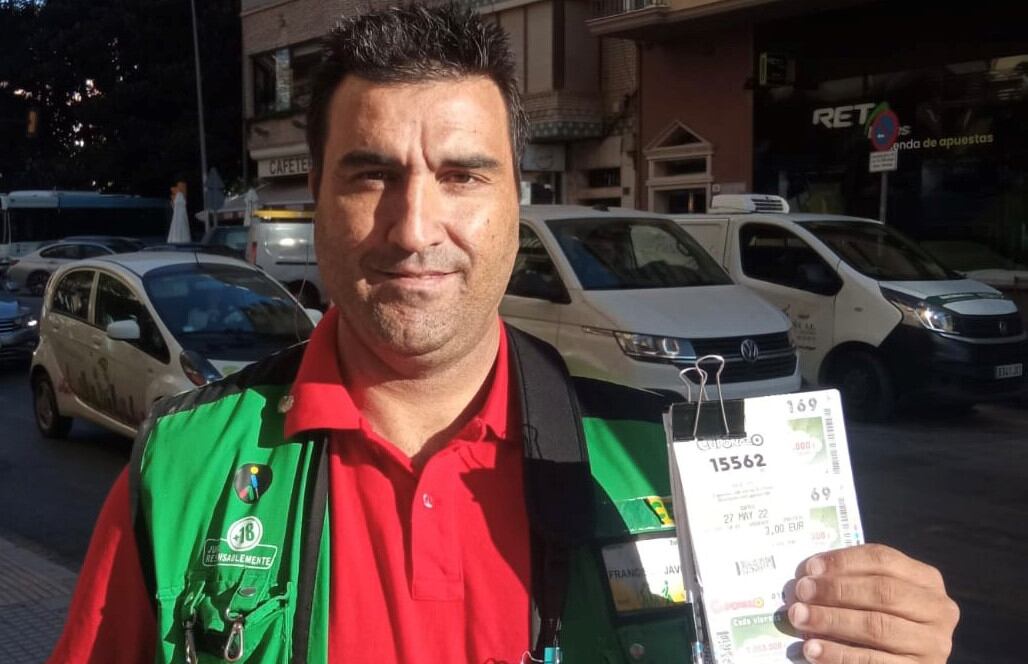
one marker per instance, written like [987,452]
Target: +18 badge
[251,481]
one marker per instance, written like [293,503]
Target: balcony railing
[605,8]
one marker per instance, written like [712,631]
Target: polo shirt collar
[320,400]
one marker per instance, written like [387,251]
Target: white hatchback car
[119,332]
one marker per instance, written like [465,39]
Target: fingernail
[798,614]
[805,589]
[816,566]
[812,649]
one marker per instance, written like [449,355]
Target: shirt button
[426,500]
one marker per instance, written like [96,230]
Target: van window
[534,273]
[879,251]
[622,254]
[776,255]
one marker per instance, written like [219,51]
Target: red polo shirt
[428,565]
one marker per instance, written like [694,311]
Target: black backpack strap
[558,482]
[311,549]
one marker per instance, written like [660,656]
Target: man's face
[417,212]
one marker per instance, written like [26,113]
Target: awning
[282,195]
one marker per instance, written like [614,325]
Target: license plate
[1009,370]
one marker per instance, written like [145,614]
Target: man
[406,405]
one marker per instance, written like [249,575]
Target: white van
[628,297]
[281,242]
[872,312]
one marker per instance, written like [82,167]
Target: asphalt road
[948,488]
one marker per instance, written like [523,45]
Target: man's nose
[418,214]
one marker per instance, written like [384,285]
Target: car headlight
[27,320]
[652,347]
[931,316]
[935,318]
[197,369]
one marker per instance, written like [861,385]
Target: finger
[817,651]
[886,594]
[871,629]
[874,559]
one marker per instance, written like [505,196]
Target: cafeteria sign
[283,166]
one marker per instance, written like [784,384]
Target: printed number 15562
[724,464]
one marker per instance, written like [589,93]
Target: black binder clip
[691,420]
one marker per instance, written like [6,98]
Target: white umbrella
[179,231]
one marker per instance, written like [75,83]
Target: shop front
[958,86]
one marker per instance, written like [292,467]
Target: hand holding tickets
[755,509]
[872,604]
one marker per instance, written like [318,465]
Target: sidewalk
[34,595]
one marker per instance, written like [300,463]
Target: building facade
[777,96]
[579,92]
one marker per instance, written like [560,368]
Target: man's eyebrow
[365,158]
[473,162]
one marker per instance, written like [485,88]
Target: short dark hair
[410,44]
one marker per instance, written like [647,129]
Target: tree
[114,81]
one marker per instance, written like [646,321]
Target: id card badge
[758,486]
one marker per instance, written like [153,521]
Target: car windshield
[879,251]
[625,254]
[210,307]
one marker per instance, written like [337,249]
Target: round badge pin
[251,481]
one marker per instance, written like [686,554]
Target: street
[952,491]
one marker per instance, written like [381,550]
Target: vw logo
[750,351]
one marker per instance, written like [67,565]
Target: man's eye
[458,178]
[374,175]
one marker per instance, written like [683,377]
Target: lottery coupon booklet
[750,508]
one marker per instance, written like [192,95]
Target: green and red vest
[242,576]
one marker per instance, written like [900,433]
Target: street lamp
[199,105]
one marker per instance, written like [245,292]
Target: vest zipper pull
[234,645]
[190,638]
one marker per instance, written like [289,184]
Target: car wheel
[868,392]
[44,401]
[36,282]
[306,293]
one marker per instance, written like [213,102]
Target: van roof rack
[748,203]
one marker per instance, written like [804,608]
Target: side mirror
[315,315]
[124,330]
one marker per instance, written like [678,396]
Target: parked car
[873,313]
[119,332]
[195,247]
[19,330]
[629,297]
[231,238]
[281,242]
[977,261]
[120,243]
[33,270]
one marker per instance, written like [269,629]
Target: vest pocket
[227,618]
